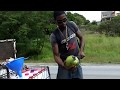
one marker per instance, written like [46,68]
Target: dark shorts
[66,74]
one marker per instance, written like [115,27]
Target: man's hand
[71,68]
[82,55]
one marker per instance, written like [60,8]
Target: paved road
[90,71]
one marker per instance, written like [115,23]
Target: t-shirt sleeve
[75,26]
[53,39]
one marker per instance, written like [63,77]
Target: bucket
[16,65]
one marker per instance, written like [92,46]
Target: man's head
[60,18]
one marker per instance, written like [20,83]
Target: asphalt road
[90,71]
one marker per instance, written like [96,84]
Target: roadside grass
[98,49]
[46,55]
[101,49]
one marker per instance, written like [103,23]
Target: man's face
[61,21]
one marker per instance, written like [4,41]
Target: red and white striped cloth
[34,73]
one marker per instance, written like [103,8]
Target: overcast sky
[90,15]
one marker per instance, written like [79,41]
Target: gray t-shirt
[73,47]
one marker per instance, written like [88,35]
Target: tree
[27,27]
[77,18]
[111,27]
[94,22]
[87,22]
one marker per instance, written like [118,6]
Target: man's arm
[55,50]
[58,59]
[56,55]
[81,39]
[82,44]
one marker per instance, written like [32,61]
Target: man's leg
[62,73]
[77,74]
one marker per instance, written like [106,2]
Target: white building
[107,15]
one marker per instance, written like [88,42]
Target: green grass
[98,49]
[46,55]
[101,49]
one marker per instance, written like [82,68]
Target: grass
[46,55]
[101,49]
[98,49]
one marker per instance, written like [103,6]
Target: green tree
[110,27]
[27,27]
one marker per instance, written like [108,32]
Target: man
[64,43]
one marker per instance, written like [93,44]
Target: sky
[90,15]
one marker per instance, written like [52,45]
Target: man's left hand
[82,55]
